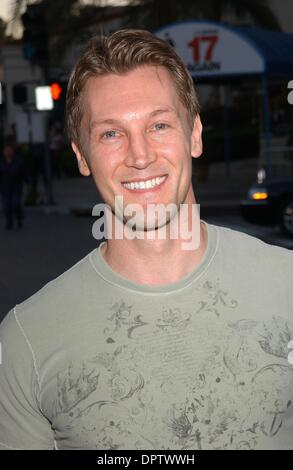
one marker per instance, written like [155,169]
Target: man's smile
[146,184]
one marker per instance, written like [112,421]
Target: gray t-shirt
[95,361]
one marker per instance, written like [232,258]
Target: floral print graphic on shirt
[172,382]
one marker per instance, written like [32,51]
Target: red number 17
[197,41]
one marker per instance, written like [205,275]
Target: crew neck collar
[104,270]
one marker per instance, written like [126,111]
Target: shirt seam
[32,353]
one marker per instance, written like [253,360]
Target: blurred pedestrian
[36,168]
[12,174]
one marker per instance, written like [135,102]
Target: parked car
[270,202]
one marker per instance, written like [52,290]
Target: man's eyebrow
[95,123]
[162,110]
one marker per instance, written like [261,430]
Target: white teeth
[145,184]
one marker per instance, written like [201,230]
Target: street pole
[50,194]
[266,125]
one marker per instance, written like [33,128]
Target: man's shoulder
[59,294]
[245,246]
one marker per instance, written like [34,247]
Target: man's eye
[161,126]
[109,134]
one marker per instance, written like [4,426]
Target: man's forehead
[143,79]
[124,92]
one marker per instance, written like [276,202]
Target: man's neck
[156,262]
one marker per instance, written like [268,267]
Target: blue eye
[109,134]
[162,126]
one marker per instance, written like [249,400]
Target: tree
[156,13]
[67,17]
[64,19]
[3,26]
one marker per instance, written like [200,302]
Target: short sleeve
[22,423]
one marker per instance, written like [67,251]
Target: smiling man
[144,344]
[136,140]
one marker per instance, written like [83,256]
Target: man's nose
[139,153]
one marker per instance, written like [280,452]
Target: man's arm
[22,423]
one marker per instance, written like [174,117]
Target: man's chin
[143,217]
[145,225]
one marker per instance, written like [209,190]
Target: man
[11,184]
[147,343]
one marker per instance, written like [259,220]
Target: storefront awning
[211,49]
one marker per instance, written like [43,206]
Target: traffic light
[19,93]
[56,91]
[35,40]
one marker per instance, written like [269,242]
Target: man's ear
[196,138]
[81,161]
